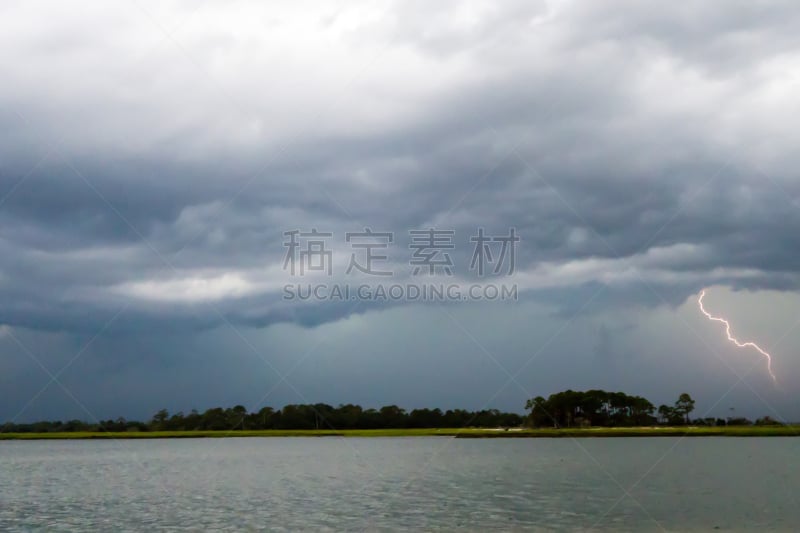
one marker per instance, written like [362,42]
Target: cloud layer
[153,154]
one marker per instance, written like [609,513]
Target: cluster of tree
[736,421]
[563,409]
[602,408]
[58,426]
[316,416]
[677,414]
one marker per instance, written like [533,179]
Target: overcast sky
[152,154]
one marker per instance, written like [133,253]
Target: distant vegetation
[292,417]
[606,409]
[568,409]
[599,408]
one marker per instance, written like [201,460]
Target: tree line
[563,409]
[617,409]
[302,416]
[605,409]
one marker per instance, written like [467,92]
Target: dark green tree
[684,406]
[160,419]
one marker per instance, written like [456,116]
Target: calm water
[410,483]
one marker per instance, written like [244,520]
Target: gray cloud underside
[628,145]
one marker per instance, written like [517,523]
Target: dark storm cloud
[569,152]
[146,178]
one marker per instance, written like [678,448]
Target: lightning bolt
[733,339]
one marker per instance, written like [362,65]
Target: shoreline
[466,433]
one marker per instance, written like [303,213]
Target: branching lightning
[734,340]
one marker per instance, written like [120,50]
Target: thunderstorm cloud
[152,155]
